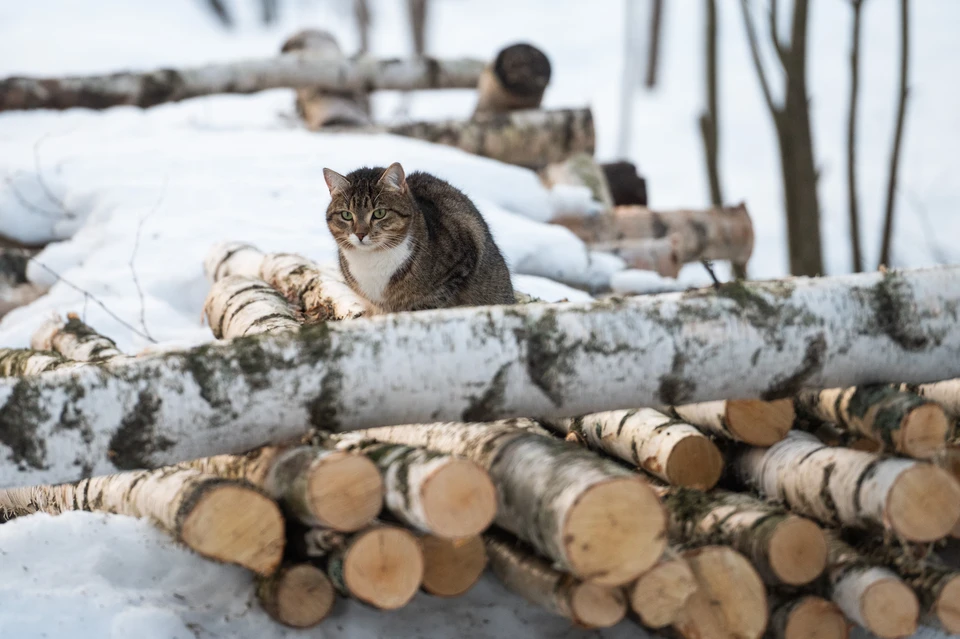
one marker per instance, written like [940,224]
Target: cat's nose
[360,236]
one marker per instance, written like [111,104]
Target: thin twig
[43,183]
[898,134]
[755,55]
[857,256]
[133,257]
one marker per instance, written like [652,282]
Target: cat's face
[369,212]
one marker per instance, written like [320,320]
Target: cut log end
[695,462]
[798,551]
[924,431]
[660,594]
[299,596]
[452,566]
[595,606]
[384,567]
[730,595]
[346,491]
[459,500]
[813,618]
[235,524]
[890,609]
[615,531]
[947,606]
[924,503]
[760,423]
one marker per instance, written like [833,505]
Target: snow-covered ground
[147,192]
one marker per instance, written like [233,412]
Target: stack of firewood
[720,519]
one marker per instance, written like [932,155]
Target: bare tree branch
[851,141]
[755,55]
[898,134]
[774,14]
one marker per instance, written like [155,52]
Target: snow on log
[74,340]
[17,362]
[333,489]
[714,234]
[784,548]
[319,291]
[808,617]
[516,79]
[297,595]
[381,566]
[580,170]
[432,492]
[658,595]
[296,70]
[480,364]
[750,421]
[238,306]
[918,501]
[586,604]
[219,519]
[900,421]
[667,448]
[946,393]
[593,517]
[451,567]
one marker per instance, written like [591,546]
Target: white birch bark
[74,340]
[239,306]
[750,421]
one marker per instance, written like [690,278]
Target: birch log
[750,421]
[808,617]
[946,393]
[239,306]
[319,291]
[597,520]
[715,234]
[662,255]
[452,566]
[332,489]
[479,364]
[295,71]
[516,79]
[219,519]
[586,604]
[784,548]
[74,340]
[580,170]
[659,595]
[296,595]
[676,452]
[918,501]
[17,362]
[901,422]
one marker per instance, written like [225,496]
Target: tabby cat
[409,243]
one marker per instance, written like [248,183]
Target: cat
[410,243]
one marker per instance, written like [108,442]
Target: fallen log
[296,595]
[666,448]
[17,362]
[451,567]
[550,360]
[901,422]
[296,71]
[74,340]
[837,486]
[516,79]
[586,604]
[659,595]
[223,520]
[594,518]
[808,617]
[239,306]
[333,489]
[753,422]
[946,393]
[662,255]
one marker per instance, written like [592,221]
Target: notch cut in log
[293,71]
[296,595]
[917,501]
[516,79]
[659,595]
[586,604]
[239,306]
[333,489]
[596,519]
[451,567]
[753,422]
[808,617]
[901,422]
[669,449]
[74,340]
[220,519]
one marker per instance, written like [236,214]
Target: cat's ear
[335,181]
[393,178]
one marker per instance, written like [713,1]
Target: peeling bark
[74,340]
[239,306]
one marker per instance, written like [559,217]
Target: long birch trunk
[659,595]
[901,422]
[676,452]
[744,420]
[594,518]
[917,501]
[74,340]
[296,595]
[219,519]
[451,567]
[478,364]
[333,489]
[808,617]
[296,71]
[239,306]
[586,604]
[946,393]
[516,79]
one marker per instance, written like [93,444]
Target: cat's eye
[379,214]
[347,215]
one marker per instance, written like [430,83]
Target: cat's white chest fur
[372,270]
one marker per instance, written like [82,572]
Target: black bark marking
[324,409]
[867,473]
[659,228]
[813,361]
[896,314]
[20,417]
[163,85]
[488,405]
[549,357]
[674,387]
[825,496]
[136,439]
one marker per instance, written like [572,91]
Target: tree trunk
[480,364]
[516,79]
[555,495]
[852,205]
[945,393]
[239,306]
[297,595]
[451,567]
[332,489]
[219,519]
[808,617]
[667,448]
[295,71]
[715,234]
[74,340]
[917,501]
[586,604]
[659,595]
[901,422]
[750,421]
